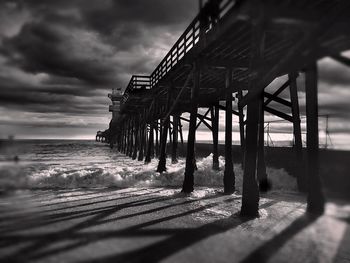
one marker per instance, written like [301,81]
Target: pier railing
[188,39]
[186,42]
[137,82]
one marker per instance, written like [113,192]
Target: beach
[161,224]
[80,201]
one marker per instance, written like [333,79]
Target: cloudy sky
[59,60]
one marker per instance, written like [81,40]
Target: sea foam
[121,171]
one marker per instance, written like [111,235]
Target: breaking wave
[70,166]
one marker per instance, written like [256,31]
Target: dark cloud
[41,48]
[151,13]
[64,56]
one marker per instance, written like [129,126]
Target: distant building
[115,97]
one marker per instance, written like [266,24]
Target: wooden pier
[230,53]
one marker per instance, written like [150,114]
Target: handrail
[136,82]
[188,39]
[185,43]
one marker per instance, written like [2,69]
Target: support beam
[157,138]
[277,92]
[298,145]
[224,108]
[315,199]
[229,176]
[142,140]
[164,136]
[125,147]
[184,119]
[190,157]
[271,97]
[250,194]
[180,131]
[215,133]
[202,120]
[178,97]
[131,130]
[279,114]
[137,137]
[175,139]
[150,145]
[241,126]
[344,60]
[264,184]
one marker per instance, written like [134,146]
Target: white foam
[121,171]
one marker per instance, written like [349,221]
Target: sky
[60,59]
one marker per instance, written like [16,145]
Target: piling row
[231,61]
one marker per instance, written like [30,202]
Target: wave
[121,171]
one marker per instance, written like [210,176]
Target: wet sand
[160,224]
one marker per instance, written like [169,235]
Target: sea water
[88,164]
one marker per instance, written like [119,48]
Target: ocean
[68,164]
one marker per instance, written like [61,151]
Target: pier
[231,54]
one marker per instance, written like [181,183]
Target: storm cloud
[59,59]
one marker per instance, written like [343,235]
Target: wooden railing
[182,46]
[185,43]
[136,82]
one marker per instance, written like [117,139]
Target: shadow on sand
[38,245]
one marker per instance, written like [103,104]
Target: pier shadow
[38,220]
[343,254]
[39,245]
[268,249]
[180,240]
[100,191]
